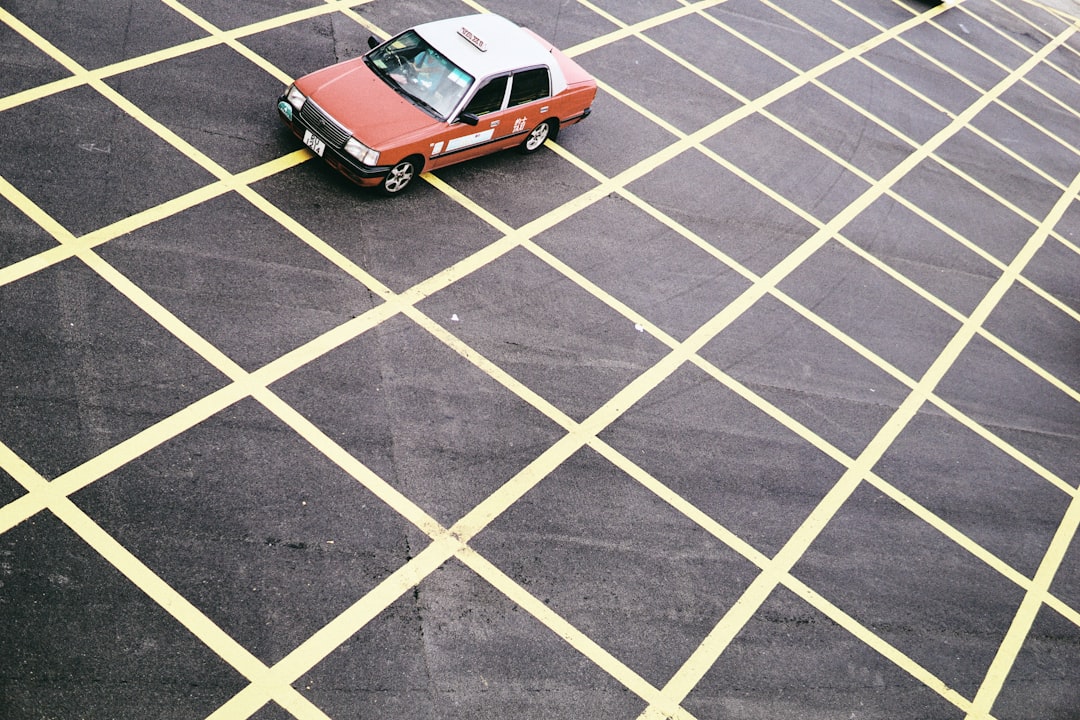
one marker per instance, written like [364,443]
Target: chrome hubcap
[538,136]
[399,177]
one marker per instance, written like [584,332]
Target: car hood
[362,102]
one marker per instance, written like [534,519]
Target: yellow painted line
[794,131]
[143,218]
[191,199]
[802,136]
[322,344]
[493,371]
[153,436]
[466,202]
[1050,299]
[570,209]
[227,37]
[28,478]
[571,635]
[705,656]
[1034,598]
[476,6]
[34,263]
[1066,242]
[962,78]
[625,31]
[843,99]
[483,515]
[639,109]
[804,25]
[840,458]
[140,575]
[993,141]
[120,454]
[1005,447]
[1012,40]
[787,422]
[57,86]
[331,636]
[146,580]
[163,316]
[680,504]
[1025,616]
[638,170]
[1054,11]
[1069,613]
[992,194]
[315,242]
[472,525]
[364,22]
[862,175]
[112,551]
[870,639]
[948,409]
[832,612]
[390,495]
[966,543]
[1046,375]
[139,220]
[345,625]
[957,315]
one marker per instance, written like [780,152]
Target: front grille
[323,125]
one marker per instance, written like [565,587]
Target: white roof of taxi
[506,45]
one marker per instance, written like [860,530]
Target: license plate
[312,141]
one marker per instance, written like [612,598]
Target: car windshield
[413,67]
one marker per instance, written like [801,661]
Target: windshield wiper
[421,103]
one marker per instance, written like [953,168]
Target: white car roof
[488,44]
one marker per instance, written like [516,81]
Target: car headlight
[295,97]
[361,152]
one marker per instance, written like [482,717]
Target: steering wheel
[406,68]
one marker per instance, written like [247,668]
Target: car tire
[400,177]
[538,136]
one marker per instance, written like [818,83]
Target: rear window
[530,85]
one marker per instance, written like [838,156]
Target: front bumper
[347,165]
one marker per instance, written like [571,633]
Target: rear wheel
[539,135]
[399,177]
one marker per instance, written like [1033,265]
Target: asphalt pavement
[755,395]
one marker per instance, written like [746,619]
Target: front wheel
[399,177]
[535,139]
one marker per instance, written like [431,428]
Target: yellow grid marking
[1036,594]
[971,128]
[878,263]
[699,663]
[625,31]
[274,683]
[146,580]
[217,37]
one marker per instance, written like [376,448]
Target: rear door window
[530,85]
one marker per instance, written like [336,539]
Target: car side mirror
[468,118]
[372,42]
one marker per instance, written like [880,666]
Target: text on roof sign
[476,42]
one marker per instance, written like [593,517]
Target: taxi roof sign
[473,39]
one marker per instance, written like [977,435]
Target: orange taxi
[437,94]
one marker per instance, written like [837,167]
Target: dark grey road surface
[755,396]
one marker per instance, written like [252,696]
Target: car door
[463,140]
[529,102]
[507,108]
